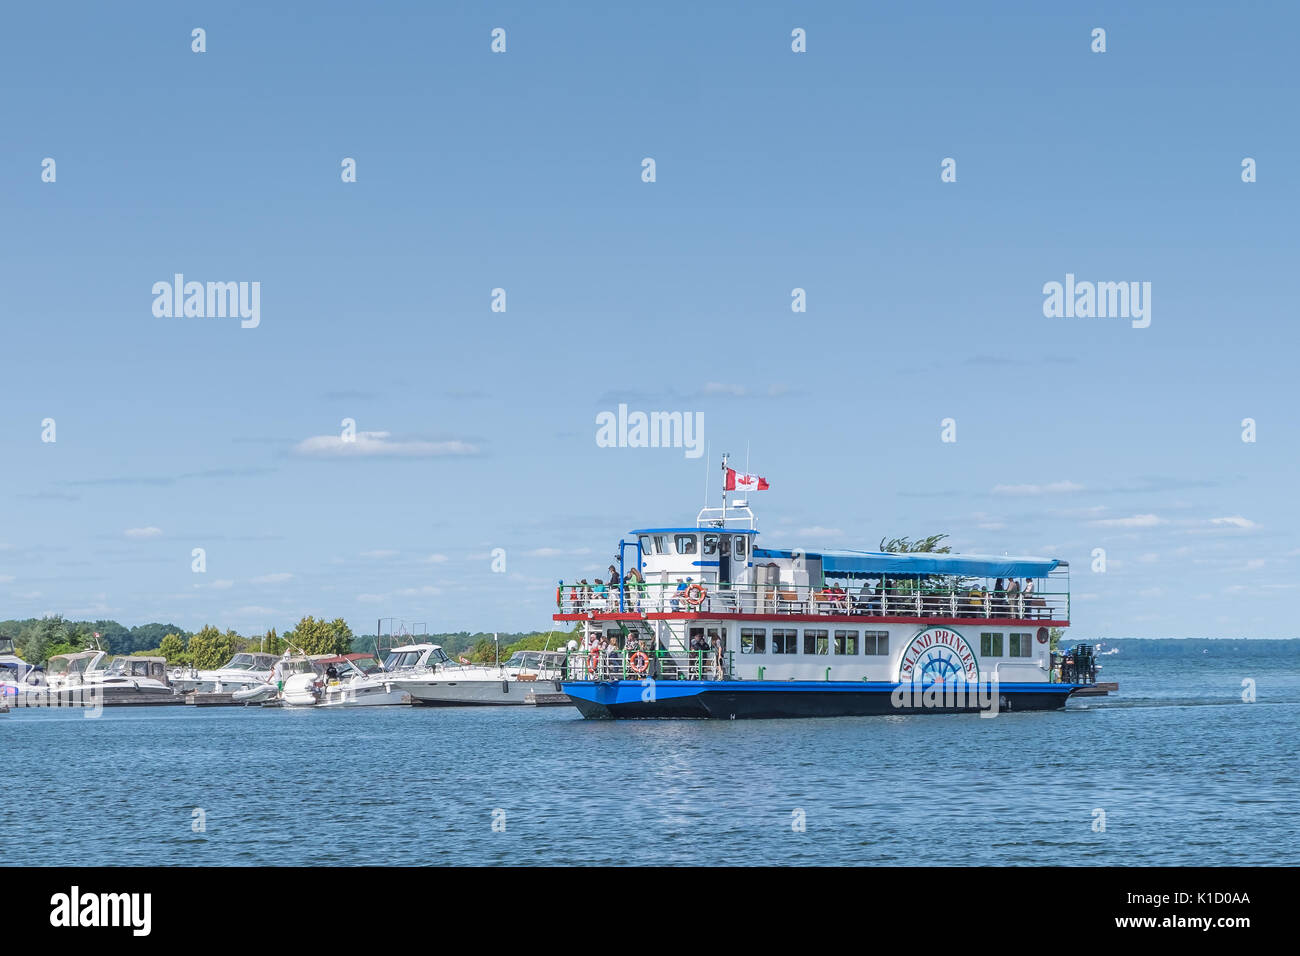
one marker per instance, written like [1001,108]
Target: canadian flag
[739,482]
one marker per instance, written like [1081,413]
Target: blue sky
[522,171]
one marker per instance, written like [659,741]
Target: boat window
[875,642]
[139,668]
[741,545]
[644,541]
[784,641]
[1022,645]
[846,642]
[753,640]
[686,544]
[816,641]
[990,644]
[661,544]
[710,544]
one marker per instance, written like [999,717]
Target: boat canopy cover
[870,564]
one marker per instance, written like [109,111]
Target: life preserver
[639,662]
[695,595]
[593,662]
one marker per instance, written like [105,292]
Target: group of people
[606,592]
[610,657]
[883,596]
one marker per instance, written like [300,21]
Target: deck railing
[635,663]
[905,600]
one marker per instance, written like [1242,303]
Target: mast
[725,457]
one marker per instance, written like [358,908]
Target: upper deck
[739,579]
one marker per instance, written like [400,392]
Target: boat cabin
[137,668]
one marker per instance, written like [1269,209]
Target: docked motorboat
[92,678]
[15,673]
[448,684]
[243,671]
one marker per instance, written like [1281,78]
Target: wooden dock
[548,700]
[211,699]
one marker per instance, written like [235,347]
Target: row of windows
[712,544]
[1021,645]
[754,640]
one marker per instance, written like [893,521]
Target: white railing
[900,601]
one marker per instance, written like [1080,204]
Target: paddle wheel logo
[938,655]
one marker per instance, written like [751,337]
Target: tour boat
[715,624]
[515,681]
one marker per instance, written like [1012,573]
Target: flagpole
[708,461]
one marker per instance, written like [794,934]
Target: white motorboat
[90,678]
[359,680]
[243,671]
[450,684]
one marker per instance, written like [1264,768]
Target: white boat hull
[469,693]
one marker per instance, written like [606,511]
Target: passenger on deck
[999,598]
[1013,598]
[699,655]
[715,645]
[1027,593]
[635,588]
[613,584]
[681,592]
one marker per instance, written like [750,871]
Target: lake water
[1185,772]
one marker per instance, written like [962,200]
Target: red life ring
[639,662]
[695,595]
[593,662]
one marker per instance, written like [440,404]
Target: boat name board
[938,654]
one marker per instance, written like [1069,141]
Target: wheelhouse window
[990,644]
[644,541]
[875,642]
[661,544]
[816,641]
[846,642]
[1022,645]
[685,543]
[784,641]
[753,640]
[742,545]
[710,544]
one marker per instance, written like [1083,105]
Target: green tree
[321,637]
[209,648]
[908,546]
[172,647]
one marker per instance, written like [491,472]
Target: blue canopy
[870,564]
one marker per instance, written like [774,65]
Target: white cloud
[436,559]
[1054,488]
[149,532]
[379,554]
[223,584]
[277,578]
[379,444]
[720,388]
[6,579]
[817,531]
[428,589]
[1234,521]
[1135,521]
